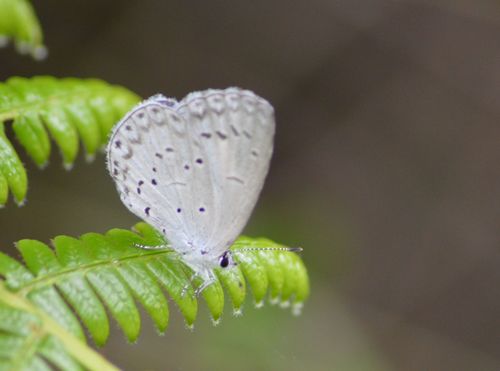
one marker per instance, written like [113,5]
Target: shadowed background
[386,170]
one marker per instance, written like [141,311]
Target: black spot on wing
[221,135]
[235,131]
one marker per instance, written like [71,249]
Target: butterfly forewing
[194,170]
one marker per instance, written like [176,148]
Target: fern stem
[13,112]
[79,350]
[51,278]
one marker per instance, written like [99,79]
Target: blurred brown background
[386,170]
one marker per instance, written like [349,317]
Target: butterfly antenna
[290,249]
[155,247]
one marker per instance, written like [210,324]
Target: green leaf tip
[68,110]
[19,22]
[90,280]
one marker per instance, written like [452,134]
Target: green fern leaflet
[18,21]
[68,110]
[80,280]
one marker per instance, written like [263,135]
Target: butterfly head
[225,260]
[201,261]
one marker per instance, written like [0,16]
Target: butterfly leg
[204,285]
[188,284]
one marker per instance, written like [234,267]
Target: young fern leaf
[67,109]
[18,21]
[85,280]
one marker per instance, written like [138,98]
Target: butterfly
[194,169]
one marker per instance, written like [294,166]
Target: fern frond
[18,21]
[86,280]
[67,109]
[31,340]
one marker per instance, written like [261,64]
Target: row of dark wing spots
[169,102]
[169,149]
[116,166]
[118,144]
[128,127]
[154,182]
[198,161]
[159,155]
[147,211]
[140,183]
[179,210]
[223,136]
[255,153]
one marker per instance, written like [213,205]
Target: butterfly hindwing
[235,129]
[194,169]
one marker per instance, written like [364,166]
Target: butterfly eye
[224,260]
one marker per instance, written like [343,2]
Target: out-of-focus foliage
[19,22]
[68,110]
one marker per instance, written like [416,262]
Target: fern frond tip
[297,308]
[40,53]
[68,166]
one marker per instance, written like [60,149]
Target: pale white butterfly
[194,169]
